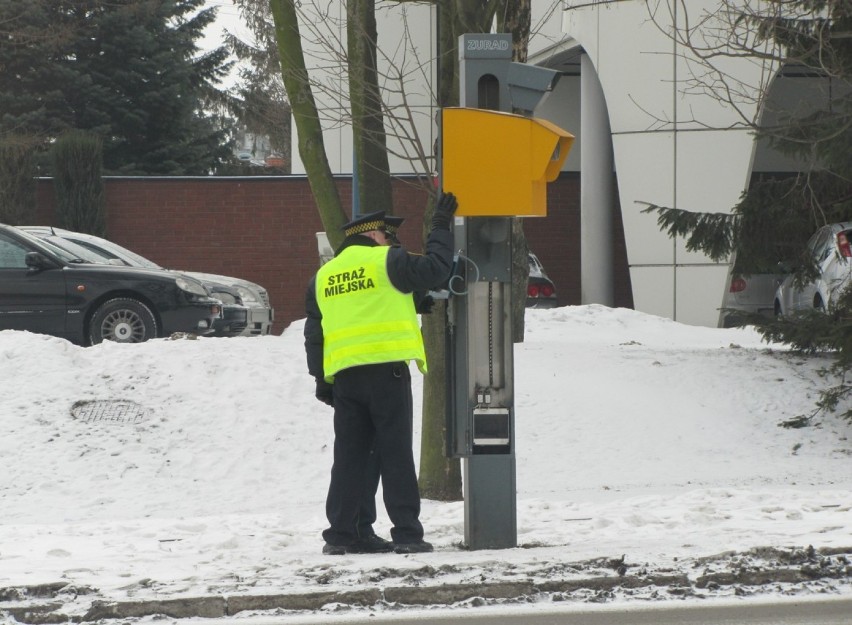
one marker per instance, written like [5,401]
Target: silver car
[831,251]
[748,296]
[254,297]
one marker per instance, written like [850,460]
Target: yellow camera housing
[498,164]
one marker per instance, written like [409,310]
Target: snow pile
[205,470]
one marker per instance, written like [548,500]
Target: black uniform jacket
[407,272]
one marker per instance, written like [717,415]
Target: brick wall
[262,229]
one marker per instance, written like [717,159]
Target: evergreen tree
[77,178]
[127,70]
[17,181]
[31,37]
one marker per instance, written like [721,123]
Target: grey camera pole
[480,362]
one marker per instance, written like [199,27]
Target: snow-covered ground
[636,437]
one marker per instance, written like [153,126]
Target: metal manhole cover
[108,411]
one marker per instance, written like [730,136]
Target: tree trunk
[371,156]
[440,477]
[311,144]
[516,19]
[17,179]
[520,277]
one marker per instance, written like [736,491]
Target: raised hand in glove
[324,393]
[444,209]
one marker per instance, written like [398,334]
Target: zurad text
[487,44]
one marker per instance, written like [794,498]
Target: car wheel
[122,320]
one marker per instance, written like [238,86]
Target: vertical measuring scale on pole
[497,163]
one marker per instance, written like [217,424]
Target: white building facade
[646,133]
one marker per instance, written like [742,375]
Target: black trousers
[373,406]
[367,511]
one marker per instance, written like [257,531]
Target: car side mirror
[36,261]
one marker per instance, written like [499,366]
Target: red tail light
[843,244]
[546,290]
[532,290]
[737,285]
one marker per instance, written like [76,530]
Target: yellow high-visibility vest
[365,319]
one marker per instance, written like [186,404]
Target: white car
[831,250]
[254,296]
[750,295]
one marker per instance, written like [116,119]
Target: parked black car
[234,317]
[253,296]
[45,289]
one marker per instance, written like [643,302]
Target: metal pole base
[490,513]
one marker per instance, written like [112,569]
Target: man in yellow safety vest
[423,304]
[361,332]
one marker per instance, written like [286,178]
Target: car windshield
[71,251]
[110,250]
[68,257]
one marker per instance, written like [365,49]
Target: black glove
[324,393]
[425,305]
[444,209]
